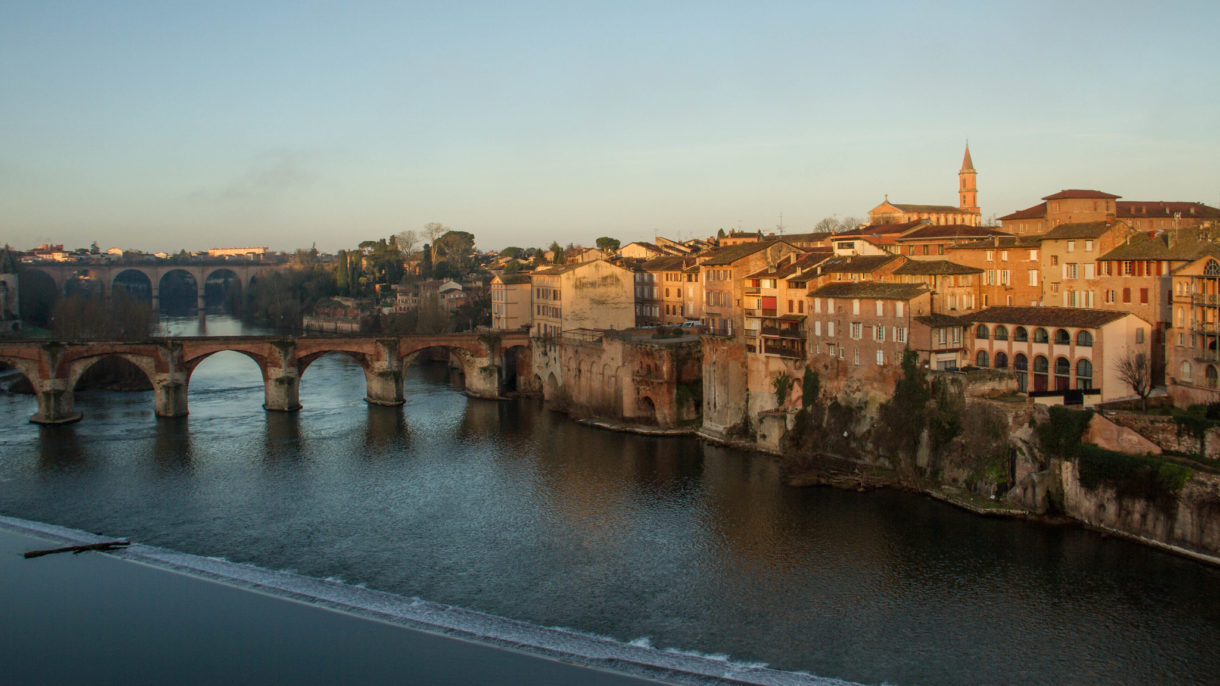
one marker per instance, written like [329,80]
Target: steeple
[967,189]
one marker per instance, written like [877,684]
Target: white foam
[638,657]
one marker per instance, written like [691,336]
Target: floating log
[78,549]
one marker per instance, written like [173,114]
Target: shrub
[1132,476]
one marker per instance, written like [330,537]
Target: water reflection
[386,432]
[172,448]
[282,438]
[59,449]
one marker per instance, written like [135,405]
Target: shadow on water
[60,449]
[282,436]
[172,449]
[385,432]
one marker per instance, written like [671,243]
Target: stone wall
[1167,433]
[1191,524]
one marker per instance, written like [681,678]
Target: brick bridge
[154,274]
[54,367]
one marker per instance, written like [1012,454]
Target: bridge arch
[220,286]
[177,284]
[77,367]
[135,282]
[86,282]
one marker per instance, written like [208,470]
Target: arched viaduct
[53,367]
[106,274]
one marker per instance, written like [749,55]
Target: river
[508,508]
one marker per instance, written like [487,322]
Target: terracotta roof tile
[1079,193]
[1140,209]
[1036,212]
[923,267]
[951,231]
[855,264]
[1078,230]
[870,289]
[1046,316]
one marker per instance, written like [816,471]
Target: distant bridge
[154,274]
[54,367]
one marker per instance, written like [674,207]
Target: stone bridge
[105,275]
[54,367]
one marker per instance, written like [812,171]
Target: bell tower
[967,188]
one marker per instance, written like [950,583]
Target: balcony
[1204,299]
[784,332]
[784,348]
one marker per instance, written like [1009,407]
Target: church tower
[967,189]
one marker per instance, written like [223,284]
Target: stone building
[511,301]
[954,287]
[723,275]
[1011,269]
[967,211]
[667,272]
[930,242]
[775,300]
[859,330]
[1060,354]
[1193,342]
[1080,205]
[586,295]
[1069,255]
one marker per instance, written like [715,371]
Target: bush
[1062,434]
[1132,476]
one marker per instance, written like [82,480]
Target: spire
[967,163]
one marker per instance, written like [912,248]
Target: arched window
[1084,375]
[1040,335]
[1084,338]
[1187,370]
[1020,335]
[1062,337]
[1063,373]
[1041,373]
[1001,332]
[1211,376]
[1181,315]
[1020,365]
[1212,268]
[981,332]
[980,360]
[1001,361]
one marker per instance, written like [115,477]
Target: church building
[966,213]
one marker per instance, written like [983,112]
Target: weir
[53,367]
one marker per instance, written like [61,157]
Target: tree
[556,252]
[406,241]
[512,252]
[833,224]
[453,247]
[607,244]
[434,230]
[720,233]
[1134,370]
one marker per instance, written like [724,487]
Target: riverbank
[150,615]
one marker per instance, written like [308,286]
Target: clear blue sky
[168,124]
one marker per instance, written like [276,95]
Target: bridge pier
[384,386]
[55,403]
[282,390]
[484,382]
[170,395]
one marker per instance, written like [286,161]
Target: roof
[879,229]
[935,267]
[857,264]
[870,289]
[938,320]
[1078,193]
[665,263]
[951,231]
[1036,212]
[513,279]
[1180,245]
[967,163]
[644,244]
[998,242]
[1046,316]
[1077,230]
[732,253]
[802,262]
[907,207]
[1139,209]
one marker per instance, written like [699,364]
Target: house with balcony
[775,301]
[723,276]
[859,330]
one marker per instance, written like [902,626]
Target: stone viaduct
[105,275]
[54,367]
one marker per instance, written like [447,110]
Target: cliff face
[1190,521]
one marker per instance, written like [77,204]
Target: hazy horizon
[162,126]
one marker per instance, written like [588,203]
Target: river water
[507,508]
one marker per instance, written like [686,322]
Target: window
[817,328]
[1084,375]
[830,329]
[880,308]
[1005,277]
[1126,295]
[1144,296]
[980,360]
[1001,332]
[1089,271]
[879,333]
[855,306]
[1033,255]
[817,305]
[1054,260]
[1020,335]
[857,330]
[1062,337]
[880,357]
[980,331]
[1001,361]
[1004,255]
[1070,271]
[1139,335]
[991,256]
[1088,246]
[855,356]
[1033,277]
[898,309]
[1071,246]
[1040,335]
[900,334]
[1084,339]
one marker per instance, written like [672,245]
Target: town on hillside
[1081,298]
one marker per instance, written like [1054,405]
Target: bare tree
[833,224]
[1134,370]
[407,241]
[434,230]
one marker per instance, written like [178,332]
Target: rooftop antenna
[780,225]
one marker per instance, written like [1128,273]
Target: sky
[168,125]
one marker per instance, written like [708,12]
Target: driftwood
[78,549]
